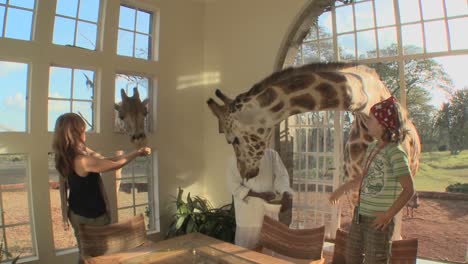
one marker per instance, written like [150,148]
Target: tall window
[418,49]
[76,23]
[13,96]
[71,90]
[16,19]
[16,236]
[135,33]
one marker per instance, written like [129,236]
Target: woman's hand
[381,221]
[144,151]
[335,196]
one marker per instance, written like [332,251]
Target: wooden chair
[102,240]
[294,245]
[403,251]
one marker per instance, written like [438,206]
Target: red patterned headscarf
[387,114]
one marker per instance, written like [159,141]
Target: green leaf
[190,226]
[180,222]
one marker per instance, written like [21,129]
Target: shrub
[457,188]
[198,215]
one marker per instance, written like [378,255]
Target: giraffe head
[247,136]
[132,112]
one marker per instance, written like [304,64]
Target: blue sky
[135,25]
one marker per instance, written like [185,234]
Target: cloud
[17,101]
[59,106]
[7,67]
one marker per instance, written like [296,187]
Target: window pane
[387,42]
[56,108]
[310,52]
[2,1]
[125,194]
[412,39]
[19,240]
[22,3]
[435,36]
[83,84]
[409,11]
[325,25]
[432,9]
[67,8]
[127,18]
[125,43]
[143,22]
[457,28]
[18,24]
[127,82]
[346,47]
[344,19]
[2,17]
[16,210]
[366,44]
[85,109]
[126,213]
[312,139]
[64,31]
[89,10]
[326,50]
[456,7]
[385,12]
[86,35]
[14,204]
[13,94]
[364,15]
[60,82]
[142,46]
[144,210]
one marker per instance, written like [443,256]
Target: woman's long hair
[67,143]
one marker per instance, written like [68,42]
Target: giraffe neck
[308,88]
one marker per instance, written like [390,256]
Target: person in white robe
[270,185]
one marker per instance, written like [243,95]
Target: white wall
[242,41]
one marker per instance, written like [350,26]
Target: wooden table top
[189,248]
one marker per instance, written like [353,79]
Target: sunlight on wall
[205,78]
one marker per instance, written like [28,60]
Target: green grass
[440,169]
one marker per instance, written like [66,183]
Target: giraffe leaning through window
[247,120]
[130,116]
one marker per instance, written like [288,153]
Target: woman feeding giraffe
[385,187]
[80,169]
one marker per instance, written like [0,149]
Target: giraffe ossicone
[248,120]
[130,116]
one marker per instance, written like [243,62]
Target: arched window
[419,50]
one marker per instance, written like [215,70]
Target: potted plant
[198,215]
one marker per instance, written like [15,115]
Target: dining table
[188,248]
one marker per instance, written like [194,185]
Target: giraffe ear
[136,95]
[215,108]
[123,95]
[224,98]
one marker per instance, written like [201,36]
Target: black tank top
[85,197]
